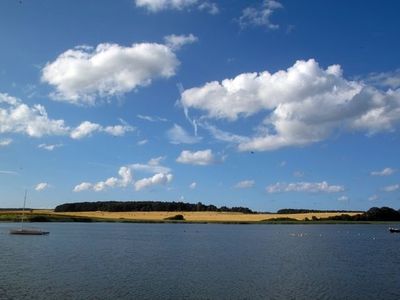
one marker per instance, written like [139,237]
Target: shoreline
[43,216]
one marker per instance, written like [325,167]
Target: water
[198,261]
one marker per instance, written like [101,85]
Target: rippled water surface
[199,261]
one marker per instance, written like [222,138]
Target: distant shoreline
[168,217]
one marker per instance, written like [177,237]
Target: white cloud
[17,117]
[245,184]
[175,42]
[178,135]
[309,187]
[152,166]
[385,79]
[159,5]
[302,105]
[260,16]
[200,158]
[5,142]
[391,188]
[343,198]
[193,185]
[82,74]
[124,179]
[86,129]
[49,147]
[384,172]
[157,179]
[84,186]
[42,186]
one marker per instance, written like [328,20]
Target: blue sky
[264,104]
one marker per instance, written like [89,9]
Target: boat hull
[394,230]
[28,232]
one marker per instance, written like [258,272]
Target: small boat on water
[393,230]
[27,231]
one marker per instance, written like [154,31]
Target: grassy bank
[168,217]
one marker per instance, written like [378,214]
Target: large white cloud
[84,73]
[159,5]
[302,105]
[200,158]
[310,187]
[18,117]
[157,179]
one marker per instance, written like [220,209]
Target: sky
[266,104]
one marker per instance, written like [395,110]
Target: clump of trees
[373,214]
[120,206]
[305,211]
[175,218]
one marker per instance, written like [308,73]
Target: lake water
[200,261]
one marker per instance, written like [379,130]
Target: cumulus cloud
[245,184]
[193,185]
[86,129]
[124,179]
[82,74]
[17,117]
[159,5]
[302,105]
[157,179]
[309,187]
[261,15]
[178,135]
[391,188]
[175,42]
[84,186]
[142,142]
[42,186]
[384,172]
[200,158]
[5,142]
[385,79]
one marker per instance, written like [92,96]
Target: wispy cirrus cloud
[177,135]
[309,187]
[384,172]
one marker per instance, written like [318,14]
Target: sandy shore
[189,216]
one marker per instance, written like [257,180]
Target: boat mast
[23,209]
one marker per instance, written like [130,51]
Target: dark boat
[393,230]
[27,231]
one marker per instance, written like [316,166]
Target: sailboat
[27,231]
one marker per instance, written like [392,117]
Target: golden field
[189,216]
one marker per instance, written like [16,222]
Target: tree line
[287,211]
[121,206]
[373,214]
